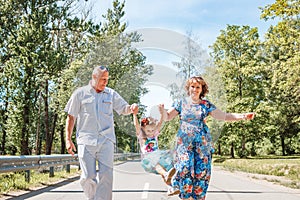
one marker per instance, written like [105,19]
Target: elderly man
[92,106]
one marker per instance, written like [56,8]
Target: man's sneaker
[172,191]
[168,176]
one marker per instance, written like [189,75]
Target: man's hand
[134,108]
[70,147]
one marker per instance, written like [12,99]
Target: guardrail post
[51,172]
[27,176]
[68,168]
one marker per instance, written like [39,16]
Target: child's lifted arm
[161,109]
[136,123]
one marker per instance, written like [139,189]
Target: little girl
[154,160]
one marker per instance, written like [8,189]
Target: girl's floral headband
[145,121]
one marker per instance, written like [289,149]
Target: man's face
[101,81]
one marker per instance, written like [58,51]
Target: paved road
[132,183]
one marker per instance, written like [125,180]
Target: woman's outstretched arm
[220,115]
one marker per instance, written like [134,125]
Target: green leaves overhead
[263,76]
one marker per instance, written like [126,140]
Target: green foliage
[285,9]
[112,47]
[46,52]
[167,139]
[44,47]
[39,41]
[235,54]
[282,72]
[262,77]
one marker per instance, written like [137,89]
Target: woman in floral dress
[194,145]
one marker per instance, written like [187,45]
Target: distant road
[132,183]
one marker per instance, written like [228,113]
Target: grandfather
[92,106]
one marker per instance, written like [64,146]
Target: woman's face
[195,90]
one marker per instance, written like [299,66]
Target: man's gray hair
[99,70]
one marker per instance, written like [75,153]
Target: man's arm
[133,108]
[70,122]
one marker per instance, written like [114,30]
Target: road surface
[132,183]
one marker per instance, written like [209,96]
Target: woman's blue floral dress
[194,147]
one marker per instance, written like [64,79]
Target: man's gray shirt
[94,113]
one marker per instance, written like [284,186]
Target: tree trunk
[243,154]
[24,133]
[62,139]
[52,131]
[27,101]
[3,141]
[46,109]
[219,149]
[38,126]
[232,150]
[282,145]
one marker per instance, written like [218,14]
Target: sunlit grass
[287,167]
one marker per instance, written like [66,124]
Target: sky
[165,23]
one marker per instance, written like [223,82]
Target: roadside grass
[283,170]
[15,181]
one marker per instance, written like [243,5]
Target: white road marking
[145,191]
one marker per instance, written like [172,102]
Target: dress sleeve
[177,105]
[210,107]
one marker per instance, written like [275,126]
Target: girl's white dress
[153,156]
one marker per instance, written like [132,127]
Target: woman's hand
[249,116]
[161,108]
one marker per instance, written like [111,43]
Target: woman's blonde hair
[199,80]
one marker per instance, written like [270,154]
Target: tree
[282,52]
[39,39]
[235,56]
[112,47]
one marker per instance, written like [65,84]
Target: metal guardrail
[27,163]
[22,163]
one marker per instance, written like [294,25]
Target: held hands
[134,109]
[162,111]
[161,108]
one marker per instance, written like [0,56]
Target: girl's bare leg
[160,170]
